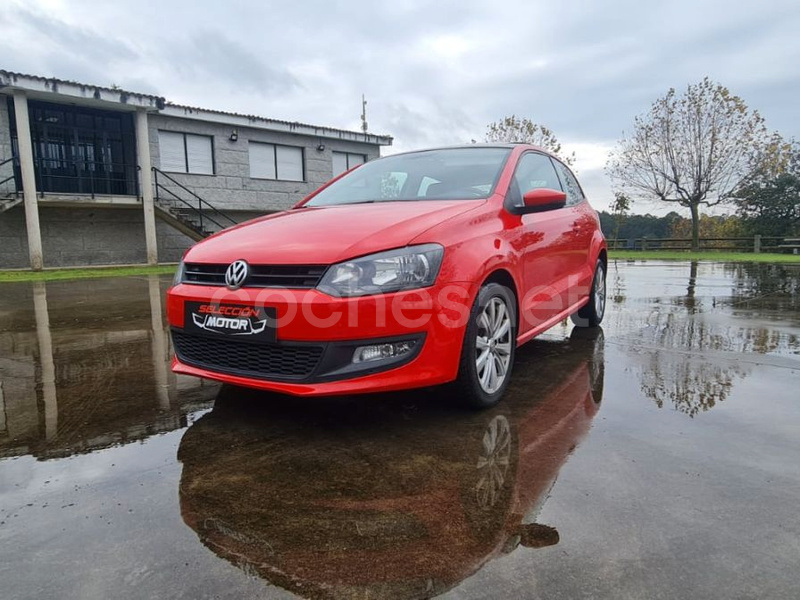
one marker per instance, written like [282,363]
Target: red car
[412,270]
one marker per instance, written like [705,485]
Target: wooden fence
[756,243]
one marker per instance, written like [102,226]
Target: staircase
[10,201]
[184,210]
[11,198]
[175,204]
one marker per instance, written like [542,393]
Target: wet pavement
[657,459]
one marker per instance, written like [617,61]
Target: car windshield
[453,174]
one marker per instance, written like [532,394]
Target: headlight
[402,269]
[179,273]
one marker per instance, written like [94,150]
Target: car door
[579,233]
[541,242]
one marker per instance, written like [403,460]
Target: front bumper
[316,337]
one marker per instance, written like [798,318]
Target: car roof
[508,145]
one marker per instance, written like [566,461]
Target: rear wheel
[489,347]
[591,315]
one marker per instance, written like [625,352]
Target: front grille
[287,276]
[261,361]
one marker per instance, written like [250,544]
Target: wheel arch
[599,250]
[503,277]
[603,256]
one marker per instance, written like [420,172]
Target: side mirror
[544,199]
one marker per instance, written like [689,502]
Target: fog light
[381,351]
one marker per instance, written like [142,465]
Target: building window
[186,153]
[270,161]
[343,161]
[79,150]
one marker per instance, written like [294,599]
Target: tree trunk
[695,208]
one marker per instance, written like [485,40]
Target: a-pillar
[143,158]
[25,148]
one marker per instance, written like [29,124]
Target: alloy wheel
[493,345]
[600,291]
[493,462]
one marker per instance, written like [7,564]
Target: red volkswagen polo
[412,270]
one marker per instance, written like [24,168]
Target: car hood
[329,234]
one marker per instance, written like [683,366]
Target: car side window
[534,171]
[425,184]
[392,184]
[570,184]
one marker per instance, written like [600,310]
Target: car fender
[598,245]
[479,259]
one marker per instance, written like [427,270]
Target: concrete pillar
[25,147]
[143,158]
[159,343]
[757,244]
[47,363]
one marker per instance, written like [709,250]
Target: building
[97,175]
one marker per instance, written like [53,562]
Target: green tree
[769,203]
[513,129]
[619,208]
[694,149]
[632,226]
[710,226]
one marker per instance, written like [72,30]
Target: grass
[708,255]
[83,273]
[94,272]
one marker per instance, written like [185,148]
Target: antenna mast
[363,113]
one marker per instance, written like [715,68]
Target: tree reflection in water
[690,352]
[688,386]
[774,287]
[617,284]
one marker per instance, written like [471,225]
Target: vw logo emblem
[236,274]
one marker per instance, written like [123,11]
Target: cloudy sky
[433,72]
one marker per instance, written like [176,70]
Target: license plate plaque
[235,321]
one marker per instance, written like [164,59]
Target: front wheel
[591,315]
[490,342]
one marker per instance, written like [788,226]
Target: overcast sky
[433,72]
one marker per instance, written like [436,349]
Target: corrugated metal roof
[15,76]
[12,78]
[387,139]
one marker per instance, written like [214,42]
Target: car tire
[487,354]
[590,343]
[591,315]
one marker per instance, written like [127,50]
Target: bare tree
[513,129]
[695,149]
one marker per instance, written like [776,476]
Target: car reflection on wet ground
[657,459]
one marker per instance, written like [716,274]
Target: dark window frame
[98,158]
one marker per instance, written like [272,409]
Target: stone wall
[5,147]
[86,236]
[231,187]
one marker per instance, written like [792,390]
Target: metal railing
[205,212]
[82,176]
[13,177]
[755,243]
